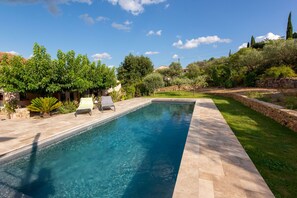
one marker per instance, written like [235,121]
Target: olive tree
[199,82]
[153,81]
[181,81]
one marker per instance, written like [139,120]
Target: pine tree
[248,45]
[253,41]
[230,53]
[289,33]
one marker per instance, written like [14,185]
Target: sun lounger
[85,106]
[106,101]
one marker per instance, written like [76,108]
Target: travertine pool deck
[214,164]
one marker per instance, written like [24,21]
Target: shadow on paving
[3,139]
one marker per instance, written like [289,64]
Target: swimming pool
[136,155]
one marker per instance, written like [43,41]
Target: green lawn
[271,146]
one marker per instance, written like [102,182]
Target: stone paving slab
[214,164]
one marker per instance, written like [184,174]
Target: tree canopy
[134,69]
[248,65]
[40,74]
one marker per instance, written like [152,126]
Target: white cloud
[156,33]
[84,1]
[269,36]
[151,53]
[102,18]
[52,5]
[113,2]
[126,26]
[13,53]
[151,32]
[175,56]
[87,19]
[134,6]
[128,22]
[101,56]
[167,6]
[193,43]
[243,45]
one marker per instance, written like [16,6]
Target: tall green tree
[175,70]
[39,72]
[289,33]
[194,70]
[105,76]
[248,45]
[253,42]
[12,75]
[134,69]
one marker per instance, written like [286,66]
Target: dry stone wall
[283,116]
[21,113]
[285,83]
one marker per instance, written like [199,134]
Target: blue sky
[163,30]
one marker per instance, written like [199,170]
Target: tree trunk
[46,115]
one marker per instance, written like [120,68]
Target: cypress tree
[289,33]
[253,41]
[248,45]
[230,53]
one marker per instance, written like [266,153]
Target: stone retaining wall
[283,116]
[21,113]
[286,83]
[175,88]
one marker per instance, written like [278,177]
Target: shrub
[181,81]
[130,91]
[250,79]
[153,81]
[199,82]
[117,95]
[255,94]
[279,72]
[11,104]
[67,107]
[291,102]
[141,90]
[44,105]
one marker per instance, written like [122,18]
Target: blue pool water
[137,155]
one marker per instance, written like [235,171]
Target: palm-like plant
[44,105]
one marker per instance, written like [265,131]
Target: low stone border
[278,113]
